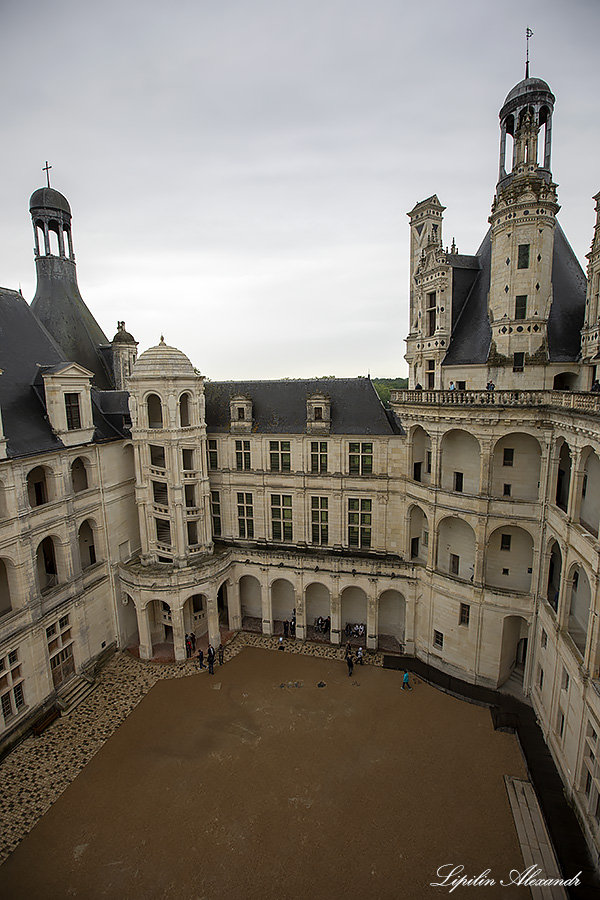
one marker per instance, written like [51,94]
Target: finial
[528,34]
[46,169]
[162,338]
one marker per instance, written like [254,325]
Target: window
[281,517]
[521,306]
[72,410]
[187,460]
[279,455]
[506,571]
[518,362]
[361,459]
[163,531]
[319,516]
[428,461]
[465,614]
[359,523]
[160,492]
[157,456]
[60,650]
[560,723]
[318,456]
[215,504]
[454,564]
[241,413]
[189,493]
[438,639]
[523,257]
[544,639]
[575,580]
[509,456]
[11,683]
[565,680]
[212,454]
[584,485]
[318,413]
[242,454]
[431,313]
[245,515]
[505,542]
[507,490]
[192,533]
[430,374]
[458,481]
[540,677]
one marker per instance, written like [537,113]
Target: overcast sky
[239,171]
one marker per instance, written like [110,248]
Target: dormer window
[241,413]
[73,411]
[318,413]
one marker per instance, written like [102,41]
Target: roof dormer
[240,412]
[69,402]
[318,414]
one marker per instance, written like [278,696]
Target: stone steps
[74,692]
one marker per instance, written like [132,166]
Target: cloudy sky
[240,170]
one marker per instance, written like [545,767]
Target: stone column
[267,606]
[144,632]
[212,611]
[335,610]
[372,615]
[178,633]
[576,487]
[234,606]
[564,597]
[300,611]
[436,460]
[485,468]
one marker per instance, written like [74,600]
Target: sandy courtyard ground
[257,783]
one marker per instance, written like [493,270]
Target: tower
[591,328]
[58,303]
[523,226]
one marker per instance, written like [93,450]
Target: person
[490,386]
[293,626]
[221,654]
[596,386]
[200,658]
[286,627]
[211,659]
[418,386]
[193,640]
[452,386]
[188,646]
[359,655]
[350,664]
[405,681]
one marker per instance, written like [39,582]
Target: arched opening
[391,622]
[421,456]
[223,605]
[79,478]
[251,603]
[418,535]
[160,625]
[87,549]
[353,619]
[283,603]
[318,612]
[47,569]
[195,618]
[565,381]
[53,236]
[563,477]
[38,486]
[185,411]
[579,607]
[509,559]
[513,654]
[5,592]
[456,548]
[516,467]
[589,513]
[67,242]
[155,413]
[40,238]
[128,623]
[554,573]
[460,462]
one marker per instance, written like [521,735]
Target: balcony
[585,402]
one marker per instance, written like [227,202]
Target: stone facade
[139,504]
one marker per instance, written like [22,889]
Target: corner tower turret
[523,229]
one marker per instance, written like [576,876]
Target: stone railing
[586,402]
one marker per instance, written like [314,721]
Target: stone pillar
[300,611]
[485,468]
[267,606]
[335,611]
[178,633]
[144,632]
[212,614]
[372,615]
[564,597]
[234,607]
[575,488]
[436,460]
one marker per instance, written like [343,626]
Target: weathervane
[46,169]
[528,34]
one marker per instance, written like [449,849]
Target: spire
[528,34]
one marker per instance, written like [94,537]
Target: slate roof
[279,407]
[471,331]
[27,349]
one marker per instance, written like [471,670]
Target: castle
[139,503]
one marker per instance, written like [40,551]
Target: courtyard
[278,777]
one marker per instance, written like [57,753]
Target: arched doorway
[318,606]
[391,622]
[513,654]
[353,613]
[283,603]
[251,603]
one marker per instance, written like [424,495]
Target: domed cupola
[162,361]
[527,110]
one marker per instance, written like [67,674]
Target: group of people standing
[210,657]
[190,644]
[289,626]
[350,658]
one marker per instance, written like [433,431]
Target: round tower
[166,402]
[124,353]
